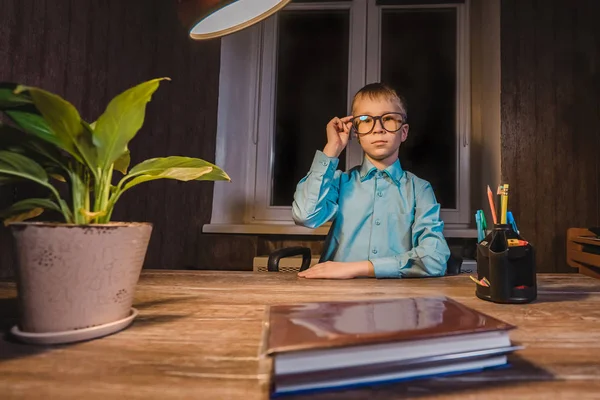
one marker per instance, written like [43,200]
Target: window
[284,79]
[308,84]
[419,60]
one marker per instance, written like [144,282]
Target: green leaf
[59,178]
[180,174]
[35,125]
[66,211]
[155,166]
[179,168]
[122,163]
[27,209]
[30,146]
[34,212]
[9,99]
[17,165]
[66,124]
[123,117]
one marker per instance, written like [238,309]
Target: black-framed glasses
[391,122]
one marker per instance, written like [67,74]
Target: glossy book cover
[320,325]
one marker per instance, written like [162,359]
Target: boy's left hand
[339,270]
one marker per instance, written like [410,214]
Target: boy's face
[380,144]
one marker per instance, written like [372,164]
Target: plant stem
[111,203]
[80,194]
[102,193]
[64,208]
[87,194]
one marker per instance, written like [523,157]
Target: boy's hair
[378,91]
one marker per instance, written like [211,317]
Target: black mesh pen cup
[507,261]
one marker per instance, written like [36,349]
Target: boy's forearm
[370,269]
[365,269]
[339,270]
[332,150]
[315,198]
[419,262]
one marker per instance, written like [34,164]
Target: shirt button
[324,163]
[374,251]
[379,194]
[377,222]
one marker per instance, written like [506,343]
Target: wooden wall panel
[88,52]
[550,120]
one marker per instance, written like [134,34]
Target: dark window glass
[312,86]
[418,59]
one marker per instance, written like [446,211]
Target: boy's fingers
[347,118]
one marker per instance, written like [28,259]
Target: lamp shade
[207,19]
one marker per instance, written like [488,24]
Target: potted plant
[76,278]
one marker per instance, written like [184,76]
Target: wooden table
[198,334]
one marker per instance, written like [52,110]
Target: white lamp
[207,19]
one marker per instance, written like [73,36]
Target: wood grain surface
[550,120]
[198,337]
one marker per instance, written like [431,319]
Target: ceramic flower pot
[77,282]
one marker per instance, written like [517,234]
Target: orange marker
[517,242]
[492,206]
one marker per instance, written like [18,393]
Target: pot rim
[41,224]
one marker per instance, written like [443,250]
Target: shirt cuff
[321,163]
[386,267]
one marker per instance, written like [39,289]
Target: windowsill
[290,229]
[265,229]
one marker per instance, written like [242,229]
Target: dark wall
[88,52]
[551,120]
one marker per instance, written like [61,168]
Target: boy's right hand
[338,133]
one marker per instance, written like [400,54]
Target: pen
[480,235]
[511,221]
[483,223]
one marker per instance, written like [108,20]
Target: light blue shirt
[390,217]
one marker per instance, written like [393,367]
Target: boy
[386,221]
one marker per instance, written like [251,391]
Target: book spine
[265,362]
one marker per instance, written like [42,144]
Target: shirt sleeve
[430,252]
[316,196]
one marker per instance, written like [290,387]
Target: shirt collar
[394,171]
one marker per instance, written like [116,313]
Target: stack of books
[327,345]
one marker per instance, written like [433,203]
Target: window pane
[312,85]
[418,59]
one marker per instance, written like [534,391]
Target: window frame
[263,210]
[246,90]
[462,213]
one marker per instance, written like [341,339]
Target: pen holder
[510,269]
